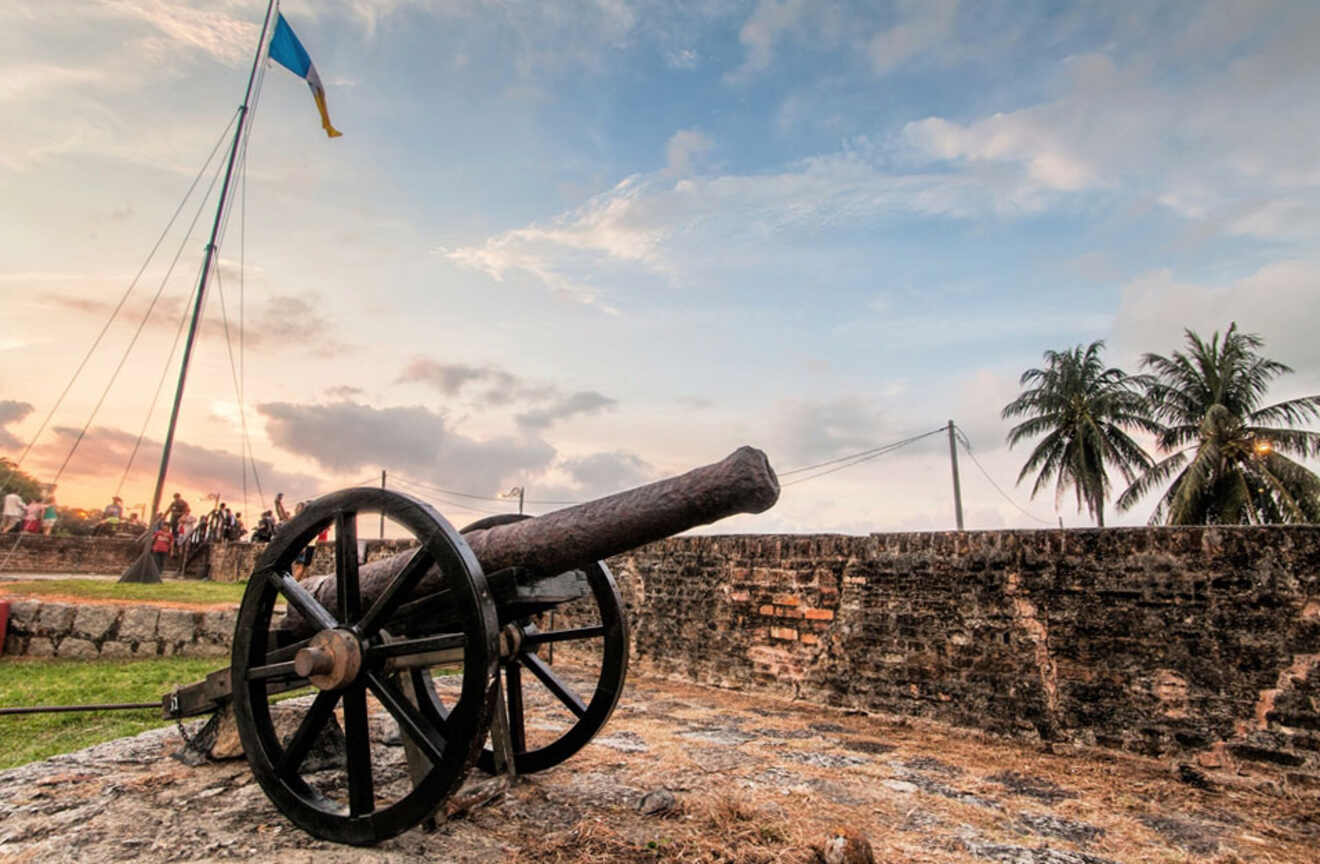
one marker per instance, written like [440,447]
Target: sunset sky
[577,246]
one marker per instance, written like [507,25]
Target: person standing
[13,512]
[49,516]
[32,516]
[161,542]
[280,512]
[178,509]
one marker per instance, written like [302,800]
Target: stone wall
[1202,643]
[37,553]
[48,629]
[1198,643]
[234,562]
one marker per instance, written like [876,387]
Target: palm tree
[1228,456]
[1082,409]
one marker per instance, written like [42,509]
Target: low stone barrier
[85,631]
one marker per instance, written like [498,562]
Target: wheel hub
[511,639]
[331,661]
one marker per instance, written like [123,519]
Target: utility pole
[957,489]
[519,491]
[382,515]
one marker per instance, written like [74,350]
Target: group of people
[221,523]
[37,516]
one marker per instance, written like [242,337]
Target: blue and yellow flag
[286,50]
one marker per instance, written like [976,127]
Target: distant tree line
[1226,457]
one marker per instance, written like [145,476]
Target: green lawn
[174,591]
[27,737]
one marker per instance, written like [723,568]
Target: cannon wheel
[591,715]
[450,741]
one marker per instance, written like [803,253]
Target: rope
[155,399]
[141,325]
[122,300]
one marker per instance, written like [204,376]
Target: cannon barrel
[742,482]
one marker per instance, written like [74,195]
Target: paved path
[755,780]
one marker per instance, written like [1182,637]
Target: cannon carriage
[478,605]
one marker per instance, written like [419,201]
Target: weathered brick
[78,649]
[767,610]
[176,625]
[138,624]
[112,649]
[739,597]
[55,619]
[23,614]
[787,634]
[785,600]
[809,639]
[40,646]
[218,624]
[818,614]
[94,621]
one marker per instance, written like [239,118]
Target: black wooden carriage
[381,630]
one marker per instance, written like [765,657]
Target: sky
[579,246]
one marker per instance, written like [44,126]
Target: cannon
[478,606]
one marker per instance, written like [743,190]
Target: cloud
[348,436]
[767,24]
[586,402]
[1276,301]
[814,431]
[603,474]
[1190,120]
[12,411]
[664,227]
[227,38]
[104,453]
[343,391]
[280,323]
[683,150]
[923,24]
[498,386]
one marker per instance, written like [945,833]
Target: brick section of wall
[1198,642]
[86,631]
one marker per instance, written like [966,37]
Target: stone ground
[755,780]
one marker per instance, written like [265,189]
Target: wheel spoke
[400,588]
[308,729]
[283,671]
[411,721]
[300,599]
[534,639]
[357,741]
[554,684]
[346,567]
[514,700]
[408,647]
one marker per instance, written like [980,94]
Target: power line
[858,458]
[967,446]
[421,493]
[850,456]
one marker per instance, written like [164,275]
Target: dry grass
[713,829]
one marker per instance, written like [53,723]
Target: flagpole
[145,568]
